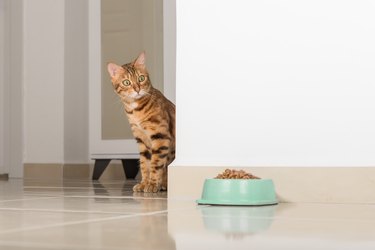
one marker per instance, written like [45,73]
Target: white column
[15,88]
[2,87]
[56,81]
[169,40]
[44,81]
[76,82]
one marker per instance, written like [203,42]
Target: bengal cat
[152,119]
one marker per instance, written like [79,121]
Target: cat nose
[136,88]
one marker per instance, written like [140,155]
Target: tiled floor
[93,215]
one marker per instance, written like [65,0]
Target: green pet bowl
[240,192]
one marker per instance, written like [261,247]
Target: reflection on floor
[93,215]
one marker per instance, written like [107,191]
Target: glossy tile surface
[93,215]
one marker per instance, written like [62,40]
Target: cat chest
[140,131]
[137,126]
[133,105]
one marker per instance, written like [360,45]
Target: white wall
[55,81]
[275,83]
[44,81]
[169,56]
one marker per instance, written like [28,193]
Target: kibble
[235,174]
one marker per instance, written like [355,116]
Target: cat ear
[113,69]
[141,60]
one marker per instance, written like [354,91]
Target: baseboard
[4,177]
[57,171]
[52,171]
[293,184]
[76,171]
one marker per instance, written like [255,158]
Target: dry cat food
[235,174]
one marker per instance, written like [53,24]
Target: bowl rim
[237,203]
[215,179]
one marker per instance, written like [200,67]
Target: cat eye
[141,78]
[126,82]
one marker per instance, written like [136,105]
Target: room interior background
[287,89]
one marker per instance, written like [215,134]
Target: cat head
[131,80]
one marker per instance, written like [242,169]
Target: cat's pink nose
[136,88]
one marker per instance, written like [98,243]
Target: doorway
[128,27]
[118,31]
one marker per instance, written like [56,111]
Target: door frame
[3,94]
[12,97]
[98,147]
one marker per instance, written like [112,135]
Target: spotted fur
[152,119]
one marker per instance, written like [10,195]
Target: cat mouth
[141,94]
[138,95]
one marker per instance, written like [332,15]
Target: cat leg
[154,184]
[144,162]
[164,182]
[160,150]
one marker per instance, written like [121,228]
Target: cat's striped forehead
[130,69]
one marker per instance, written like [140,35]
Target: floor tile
[16,220]
[39,214]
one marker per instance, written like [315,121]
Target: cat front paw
[139,187]
[152,188]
